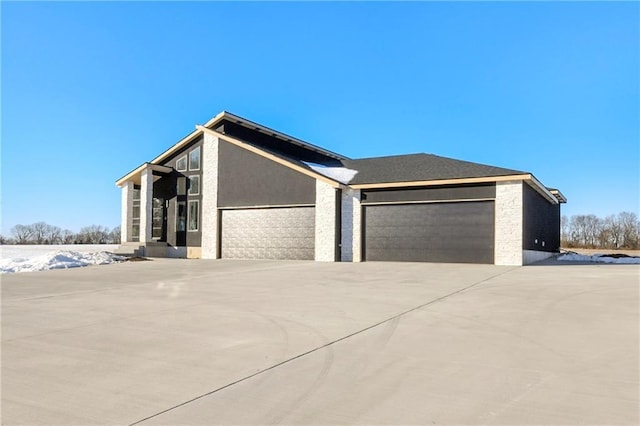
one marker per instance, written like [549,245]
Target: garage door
[278,233]
[437,232]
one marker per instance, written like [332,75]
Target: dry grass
[603,251]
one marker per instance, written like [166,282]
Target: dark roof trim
[224,115]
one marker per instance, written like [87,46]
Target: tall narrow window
[135,214]
[194,159]
[181,216]
[194,185]
[194,219]
[158,216]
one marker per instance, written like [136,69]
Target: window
[194,185]
[135,214]
[194,159]
[157,218]
[193,215]
[181,217]
[181,164]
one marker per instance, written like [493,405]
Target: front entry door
[181,224]
[159,221]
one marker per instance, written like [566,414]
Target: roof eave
[525,177]
[224,115]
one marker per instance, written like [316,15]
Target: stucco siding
[508,223]
[326,213]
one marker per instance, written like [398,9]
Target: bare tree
[94,234]
[629,229]
[23,234]
[612,224]
[564,230]
[114,235]
[67,236]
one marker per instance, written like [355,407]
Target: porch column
[209,192]
[351,226]
[326,215]
[509,219]
[126,215]
[146,200]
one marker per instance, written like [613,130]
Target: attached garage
[461,232]
[268,233]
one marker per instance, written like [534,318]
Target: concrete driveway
[259,342]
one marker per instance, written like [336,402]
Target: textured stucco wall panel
[325,233]
[209,190]
[351,235]
[146,196]
[508,222]
[126,213]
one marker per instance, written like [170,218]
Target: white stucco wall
[509,222]
[351,226]
[325,244]
[146,199]
[210,197]
[126,218]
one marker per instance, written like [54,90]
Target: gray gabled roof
[419,167]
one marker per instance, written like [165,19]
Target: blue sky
[92,90]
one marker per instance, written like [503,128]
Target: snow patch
[598,258]
[58,260]
[340,174]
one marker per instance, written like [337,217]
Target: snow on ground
[42,258]
[575,257]
[341,174]
[30,250]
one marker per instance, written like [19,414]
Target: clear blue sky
[92,90]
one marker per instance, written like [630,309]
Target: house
[237,189]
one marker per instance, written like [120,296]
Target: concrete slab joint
[210,197]
[508,223]
[325,245]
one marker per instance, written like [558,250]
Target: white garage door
[276,233]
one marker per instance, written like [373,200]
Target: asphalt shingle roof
[419,167]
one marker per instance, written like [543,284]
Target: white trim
[186,163]
[189,203]
[193,169]
[382,203]
[189,193]
[453,181]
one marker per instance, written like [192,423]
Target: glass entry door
[159,220]
[181,223]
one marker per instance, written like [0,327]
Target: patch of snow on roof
[598,258]
[340,174]
[58,260]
